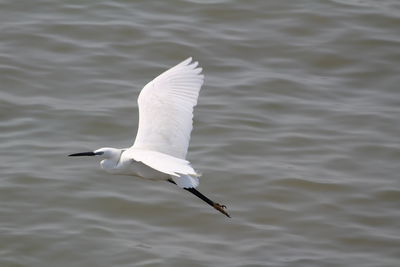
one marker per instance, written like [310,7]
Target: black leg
[219,207]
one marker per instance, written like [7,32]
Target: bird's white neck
[109,164]
[111,158]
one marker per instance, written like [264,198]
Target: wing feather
[162,162]
[166,110]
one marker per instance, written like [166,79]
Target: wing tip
[190,63]
[191,67]
[186,61]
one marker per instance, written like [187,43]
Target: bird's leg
[217,206]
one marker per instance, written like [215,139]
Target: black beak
[83,154]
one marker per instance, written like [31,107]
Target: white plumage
[165,123]
[166,110]
[159,161]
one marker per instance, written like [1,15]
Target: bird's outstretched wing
[166,110]
[161,162]
[180,170]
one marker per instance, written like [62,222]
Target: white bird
[165,123]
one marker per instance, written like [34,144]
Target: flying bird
[162,140]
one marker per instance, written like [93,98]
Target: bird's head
[104,152]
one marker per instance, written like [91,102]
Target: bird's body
[122,164]
[165,123]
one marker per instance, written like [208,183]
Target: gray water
[296,131]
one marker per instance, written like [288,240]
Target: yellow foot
[221,208]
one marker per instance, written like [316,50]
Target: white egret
[165,123]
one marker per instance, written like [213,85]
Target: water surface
[296,131]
